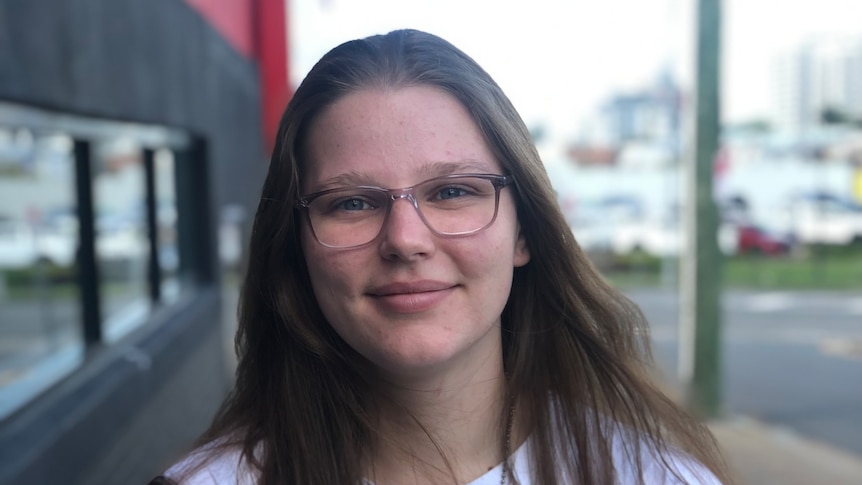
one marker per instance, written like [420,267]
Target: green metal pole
[700,336]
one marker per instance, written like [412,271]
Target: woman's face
[413,303]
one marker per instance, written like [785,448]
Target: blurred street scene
[790,361]
[134,137]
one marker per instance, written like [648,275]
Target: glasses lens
[450,206]
[458,205]
[347,217]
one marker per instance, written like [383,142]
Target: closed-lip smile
[401,288]
[410,297]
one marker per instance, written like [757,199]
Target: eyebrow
[428,171]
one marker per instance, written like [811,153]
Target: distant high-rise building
[819,78]
[649,114]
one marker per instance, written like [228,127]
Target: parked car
[660,238]
[824,218]
[752,239]
[595,223]
[22,246]
[666,239]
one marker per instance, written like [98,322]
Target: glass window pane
[166,220]
[122,251]
[40,314]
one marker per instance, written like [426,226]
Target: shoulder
[667,467]
[208,467]
[678,469]
[673,468]
[637,458]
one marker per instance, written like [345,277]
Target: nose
[405,235]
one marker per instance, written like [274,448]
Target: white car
[824,219]
[661,238]
[22,246]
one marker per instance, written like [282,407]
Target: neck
[446,424]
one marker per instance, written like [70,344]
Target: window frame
[197,258]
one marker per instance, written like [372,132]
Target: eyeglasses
[451,206]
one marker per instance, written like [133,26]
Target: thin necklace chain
[507,445]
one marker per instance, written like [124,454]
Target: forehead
[394,136]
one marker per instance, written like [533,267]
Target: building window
[122,248]
[40,314]
[166,224]
[89,239]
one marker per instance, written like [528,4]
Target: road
[790,359]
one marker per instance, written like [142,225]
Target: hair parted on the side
[576,351]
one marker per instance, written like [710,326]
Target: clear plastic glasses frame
[454,205]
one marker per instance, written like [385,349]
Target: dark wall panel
[129,411]
[157,62]
[154,61]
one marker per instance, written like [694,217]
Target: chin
[416,355]
[414,360]
[425,358]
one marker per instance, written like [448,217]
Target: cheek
[324,272]
[491,257]
[489,272]
[317,259]
[333,276]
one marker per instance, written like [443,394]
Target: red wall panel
[273,54]
[232,18]
[257,29]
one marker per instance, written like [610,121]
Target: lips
[410,297]
[409,287]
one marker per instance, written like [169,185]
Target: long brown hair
[576,351]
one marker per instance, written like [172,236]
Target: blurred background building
[133,143]
[819,81]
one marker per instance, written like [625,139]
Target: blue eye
[451,193]
[354,205]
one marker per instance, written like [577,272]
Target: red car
[755,240]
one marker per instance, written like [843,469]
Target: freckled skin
[396,138]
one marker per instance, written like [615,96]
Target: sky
[558,60]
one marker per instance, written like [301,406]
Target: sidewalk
[762,455]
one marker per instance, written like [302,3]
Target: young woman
[416,309]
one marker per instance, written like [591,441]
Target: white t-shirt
[228,469]
[654,472]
